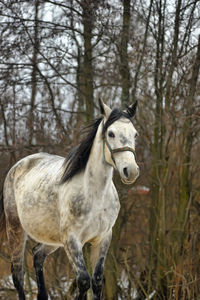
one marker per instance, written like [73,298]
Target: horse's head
[119,136]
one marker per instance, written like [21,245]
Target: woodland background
[56,59]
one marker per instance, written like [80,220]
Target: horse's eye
[111,134]
[136,135]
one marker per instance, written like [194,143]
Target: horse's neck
[98,174]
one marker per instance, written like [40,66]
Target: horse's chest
[99,222]
[105,219]
[92,215]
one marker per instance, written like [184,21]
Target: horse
[67,202]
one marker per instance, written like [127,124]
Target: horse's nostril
[125,170]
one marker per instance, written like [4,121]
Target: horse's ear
[104,109]
[131,110]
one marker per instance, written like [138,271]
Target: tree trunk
[33,75]
[88,89]
[179,233]
[137,72]
[174,54]
[158,205]
[124,65]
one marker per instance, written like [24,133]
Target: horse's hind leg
[17,241]
[40,252]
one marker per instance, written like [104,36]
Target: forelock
[115,115]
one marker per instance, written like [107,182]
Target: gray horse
[68,202]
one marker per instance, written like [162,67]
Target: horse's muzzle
[129,174]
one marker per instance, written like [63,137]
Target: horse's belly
[44,231]
[40,221]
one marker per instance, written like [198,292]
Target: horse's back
[35,162]
[31,193]
[32,168]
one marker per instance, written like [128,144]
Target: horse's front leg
[74,251]
[98,256]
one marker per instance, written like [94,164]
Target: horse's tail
[2,218]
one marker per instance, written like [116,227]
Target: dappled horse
[69,202]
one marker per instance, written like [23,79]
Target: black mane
[77,159]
